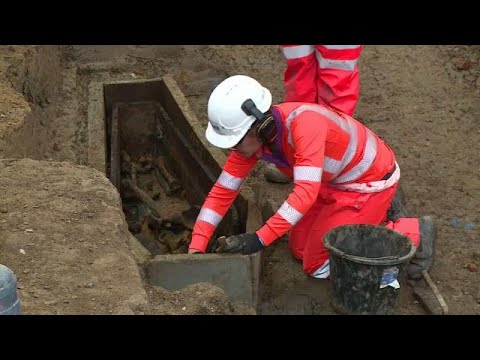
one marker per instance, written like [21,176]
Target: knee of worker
[296,243]
[300,234]
[317,264]
[409,227]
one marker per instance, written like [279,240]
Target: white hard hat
[227,122]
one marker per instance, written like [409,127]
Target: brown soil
[196,299]
[421,99]
[64,235]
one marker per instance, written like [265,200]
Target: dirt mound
[197,299]
[30,81]
[63,233]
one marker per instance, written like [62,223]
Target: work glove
[243,243]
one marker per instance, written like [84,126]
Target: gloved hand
[243,243]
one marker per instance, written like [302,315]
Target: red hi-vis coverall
[343,174]
[323,74]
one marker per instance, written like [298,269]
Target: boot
[272,174]
[423,258]
[398,208]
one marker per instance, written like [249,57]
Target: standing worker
[322,74]
[343,174]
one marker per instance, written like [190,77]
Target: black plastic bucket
[367,267]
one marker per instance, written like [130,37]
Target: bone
[159,163]
[143,197]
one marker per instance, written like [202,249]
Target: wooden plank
[437,293]
[115,149]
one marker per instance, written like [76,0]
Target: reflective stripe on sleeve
[289,213]
[210,216]
[307,173]
[229,181]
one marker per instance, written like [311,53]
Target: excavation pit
[155,154]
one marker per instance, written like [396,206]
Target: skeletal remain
[159,163]
[166,180]
[128,166]
[163,183]
[175,222]
[143,197]
[156,192]
[154,221]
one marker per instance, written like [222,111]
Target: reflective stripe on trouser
[307,81]
[337,86]
[300,75]
[335,208]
